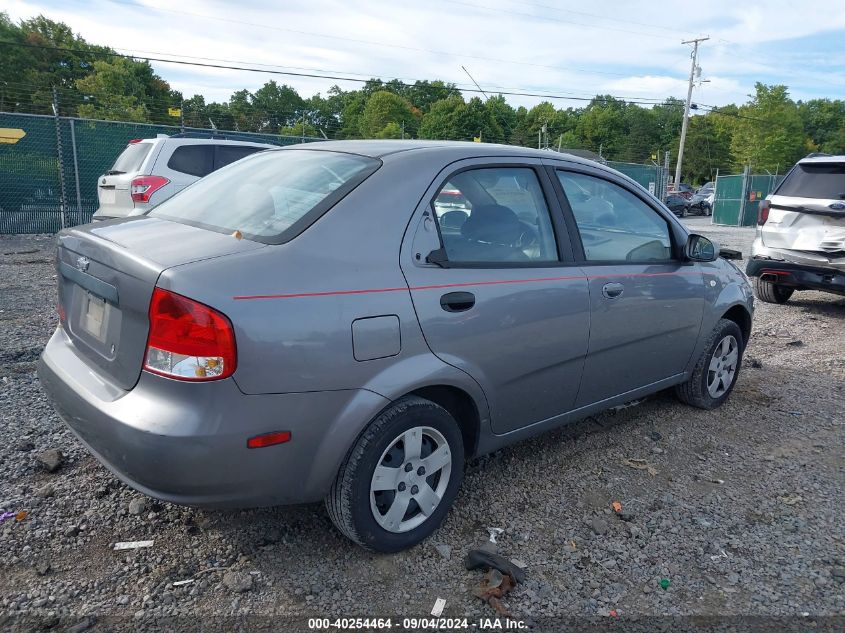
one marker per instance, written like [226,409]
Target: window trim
[560,233]
[575,233]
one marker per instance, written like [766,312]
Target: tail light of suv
[143,187]
[188,340]
[763,212]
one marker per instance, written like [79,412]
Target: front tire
[717,370]
[772,293]
[399,480]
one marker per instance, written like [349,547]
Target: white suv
[151,170]
[800,241]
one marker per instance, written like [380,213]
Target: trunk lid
[807,211]
[107,273]
[113,187]
[805,224]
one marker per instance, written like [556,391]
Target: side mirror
[700,249]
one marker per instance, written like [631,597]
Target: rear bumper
[798,276]
[186,442]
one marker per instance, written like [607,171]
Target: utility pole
[695,43]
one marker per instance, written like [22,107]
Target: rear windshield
[131,158]
[271,196]
[815,180]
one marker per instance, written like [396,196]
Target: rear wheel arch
[461,406]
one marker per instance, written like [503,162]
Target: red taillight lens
[763,212]
[61,311]
[143,187]
[135,140]
[188,340]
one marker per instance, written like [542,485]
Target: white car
[151,170]
[800,242]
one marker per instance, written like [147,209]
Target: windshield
[269,197]
[815,180]
[131,158]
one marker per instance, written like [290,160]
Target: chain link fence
[653,177]
[49,165]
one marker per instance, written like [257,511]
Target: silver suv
[800,241]
[151,170]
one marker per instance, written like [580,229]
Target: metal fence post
[63,200]
[744,194]
[76,171]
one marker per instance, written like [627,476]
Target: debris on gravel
[237,582]
[51,459]
[768,541]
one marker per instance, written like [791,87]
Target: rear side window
[131,158]
[227,154]
[495,215]
[815,180]
[270,197]
[196,160]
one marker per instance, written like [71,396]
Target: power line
[360,41]
[541,95]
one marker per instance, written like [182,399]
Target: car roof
[457,149]
[823,159]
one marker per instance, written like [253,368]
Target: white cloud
[632,50]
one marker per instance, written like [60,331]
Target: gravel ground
[742,511]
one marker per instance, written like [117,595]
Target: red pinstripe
[455,285]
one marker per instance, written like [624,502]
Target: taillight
[143,187]
[763,212]
[188,340]
[60,309]
[135,140]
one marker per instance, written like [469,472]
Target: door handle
[612,290]
[457,301]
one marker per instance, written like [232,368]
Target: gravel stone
[137,506]
[444,550]
[238,582]
[778,444]
[599,525]
[51,459]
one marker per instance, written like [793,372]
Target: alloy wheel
[410,479]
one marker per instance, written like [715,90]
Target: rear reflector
[763,212]
[268,439]
[135,140]
[143,187]
[188,340]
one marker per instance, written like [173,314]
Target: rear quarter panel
[293,305]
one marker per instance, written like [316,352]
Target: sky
[631,49]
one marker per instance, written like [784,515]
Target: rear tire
[771,292]
[366,488]
[717,370]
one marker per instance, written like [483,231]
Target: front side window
[614,224]
[495,215]
[264,195]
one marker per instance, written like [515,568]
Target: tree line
[769,132]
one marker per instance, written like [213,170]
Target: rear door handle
[612,290]
[457,301]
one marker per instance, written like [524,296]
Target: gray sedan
[351,321]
